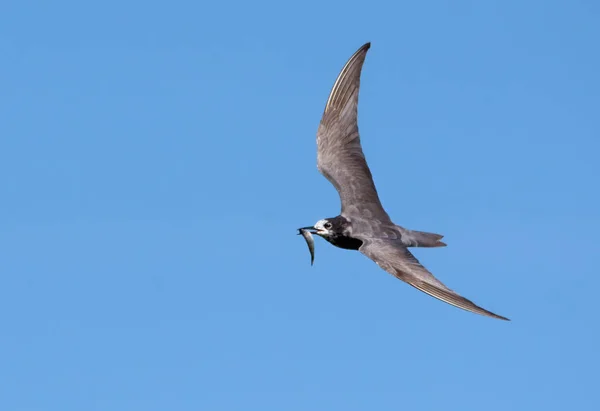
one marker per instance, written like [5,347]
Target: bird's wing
[339,154]
[398,261]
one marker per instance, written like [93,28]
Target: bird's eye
[327,225]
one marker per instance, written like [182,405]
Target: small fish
[310,242]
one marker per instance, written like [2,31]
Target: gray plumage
[363,224]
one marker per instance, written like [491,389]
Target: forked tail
[412,238]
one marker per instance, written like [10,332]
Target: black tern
[363,224]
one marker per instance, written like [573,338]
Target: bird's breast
[344,242]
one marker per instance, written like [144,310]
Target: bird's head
[324,228]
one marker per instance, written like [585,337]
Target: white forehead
[320,224]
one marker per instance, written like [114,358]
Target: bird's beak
[308,228]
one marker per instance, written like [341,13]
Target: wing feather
[395,258]
[340,157]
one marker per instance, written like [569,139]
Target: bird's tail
[412,238]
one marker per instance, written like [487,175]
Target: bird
[363,224]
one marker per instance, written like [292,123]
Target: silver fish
[310,242]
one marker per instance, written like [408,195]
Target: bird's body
[363,224]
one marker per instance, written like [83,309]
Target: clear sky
[156,159]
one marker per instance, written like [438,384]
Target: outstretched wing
[398,261]
[339,154]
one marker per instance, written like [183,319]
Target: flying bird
[363,224]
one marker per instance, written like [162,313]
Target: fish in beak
[310,241]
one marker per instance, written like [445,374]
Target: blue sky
[157,157]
